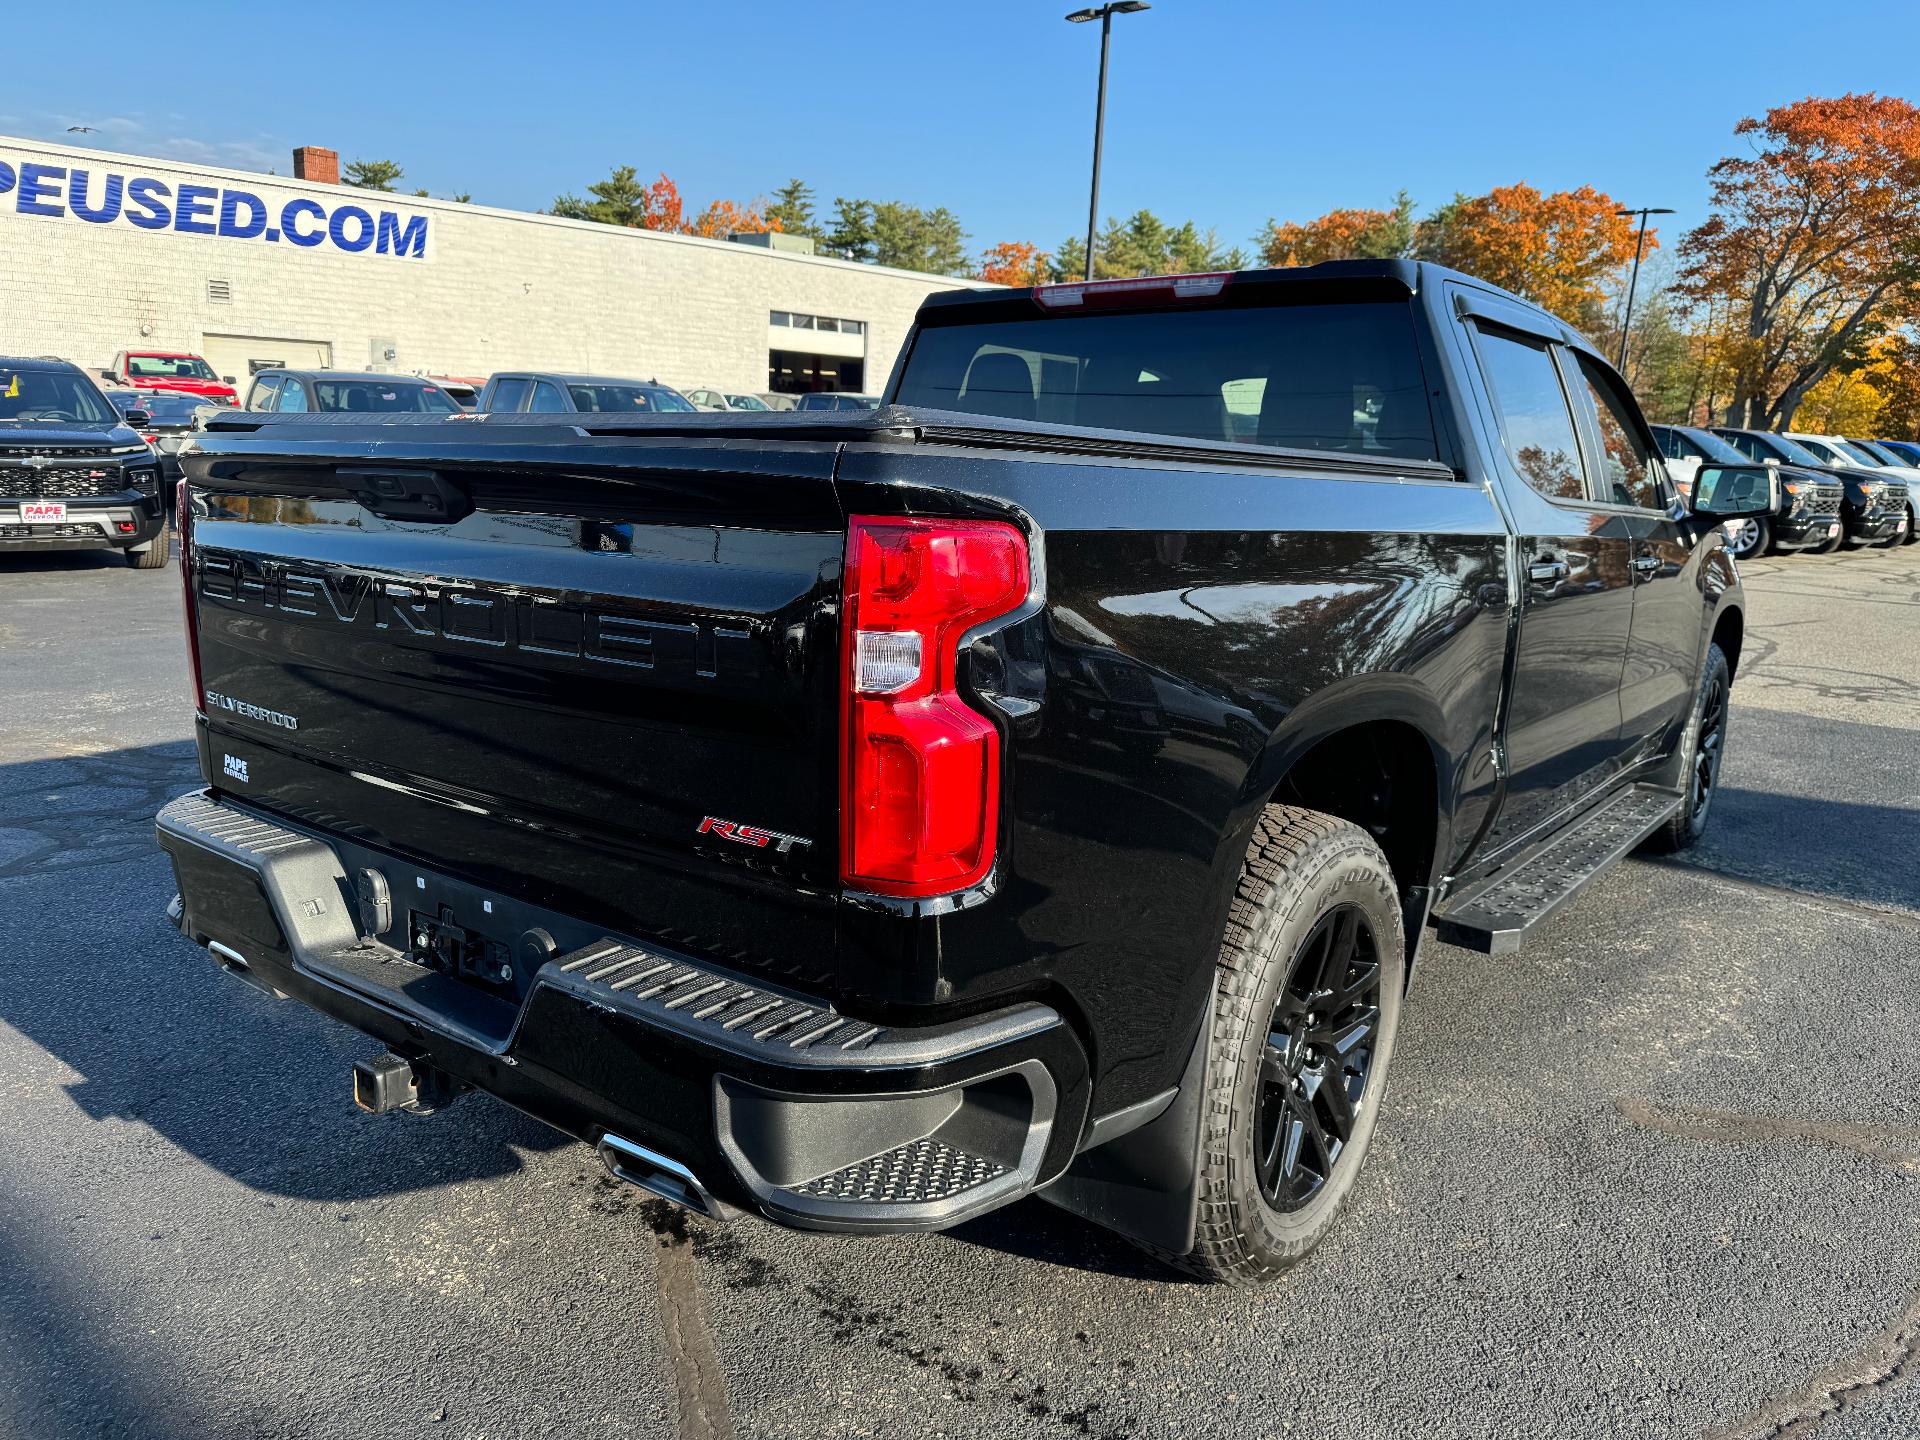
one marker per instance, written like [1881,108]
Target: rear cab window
[1342,377]
[1536,418]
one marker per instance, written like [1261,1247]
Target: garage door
[241,356]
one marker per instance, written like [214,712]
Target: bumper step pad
[1495,915]
[922,1172]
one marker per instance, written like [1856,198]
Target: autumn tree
[621,199]
[1342,235]
[1560,250]
[1014,262]
[1816,234]
[1898,382]
[372,174]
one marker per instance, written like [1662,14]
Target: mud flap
[1143,1185]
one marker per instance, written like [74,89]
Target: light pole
[1626,325]
[1104,14]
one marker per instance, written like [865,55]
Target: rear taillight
[183,519]
[920,767]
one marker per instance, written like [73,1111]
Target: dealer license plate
[43,512]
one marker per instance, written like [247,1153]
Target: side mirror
[108,375]
[227,378]
[137,418]
[1734,492]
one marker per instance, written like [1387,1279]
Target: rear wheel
[1306,1008]
[1912,536]
[1749,537]
[153,554]
[1702,750]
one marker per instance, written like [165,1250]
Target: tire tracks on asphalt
[1884,1364]
[699,1382]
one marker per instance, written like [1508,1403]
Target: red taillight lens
[921,769]
[183,518]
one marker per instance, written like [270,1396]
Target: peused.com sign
[148,203]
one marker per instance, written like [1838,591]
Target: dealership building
[102,252]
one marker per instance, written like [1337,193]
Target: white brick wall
[497,289]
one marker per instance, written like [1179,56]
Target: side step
[1494,915]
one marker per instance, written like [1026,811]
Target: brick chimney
[322,167]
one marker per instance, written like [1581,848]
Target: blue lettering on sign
[152,204]
[395,241]
[231,225]
[158,214]
[292,211]
[337,228]
[37,195]
[193,209]
[109,200]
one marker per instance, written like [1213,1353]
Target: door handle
[1546,572]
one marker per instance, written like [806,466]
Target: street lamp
[1104,14]
[1626,325]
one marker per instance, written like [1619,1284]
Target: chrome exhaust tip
[657,1175]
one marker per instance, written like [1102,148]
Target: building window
[794,320]
[779,317]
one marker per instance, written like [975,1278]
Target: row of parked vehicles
[1835,491]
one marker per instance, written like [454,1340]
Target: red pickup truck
[175,370]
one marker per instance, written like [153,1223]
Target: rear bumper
[769,1100]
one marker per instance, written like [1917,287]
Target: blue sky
[1227,112]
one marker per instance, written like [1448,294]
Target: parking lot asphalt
[1657,1175]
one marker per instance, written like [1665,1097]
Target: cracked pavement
[1657,1175]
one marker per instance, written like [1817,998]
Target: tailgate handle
[396,494]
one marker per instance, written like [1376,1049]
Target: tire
[1829,546]
[1702,750]
[153,554]
[1277,1087]
[1913,526]
[1749,538]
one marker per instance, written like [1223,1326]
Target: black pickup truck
[1037,784]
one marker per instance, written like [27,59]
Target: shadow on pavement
[254,1088]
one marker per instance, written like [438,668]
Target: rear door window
[1337,377]
[265,394]
[1628,473]
[1536,422]
[547,399]
[293,394]
[509,395]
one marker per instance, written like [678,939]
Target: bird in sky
[80,129]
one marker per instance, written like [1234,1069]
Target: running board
[1496,914]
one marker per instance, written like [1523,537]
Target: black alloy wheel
[1712,743]
[1318,1058]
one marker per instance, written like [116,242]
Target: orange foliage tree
[621,199]
[1816,237]
[1015,262]
[1341,235]
[1560,250]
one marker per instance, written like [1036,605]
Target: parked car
[170,370]
[1809,515]
[1864,518]
[1885,488]
[776,399]
[74,473]
[835,400]
[703,397]
[1908,468]
[297,391]
[171,422]
[730,820]
[548,393]
[1907,450]
[464,392]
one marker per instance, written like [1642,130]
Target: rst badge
[750,835]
